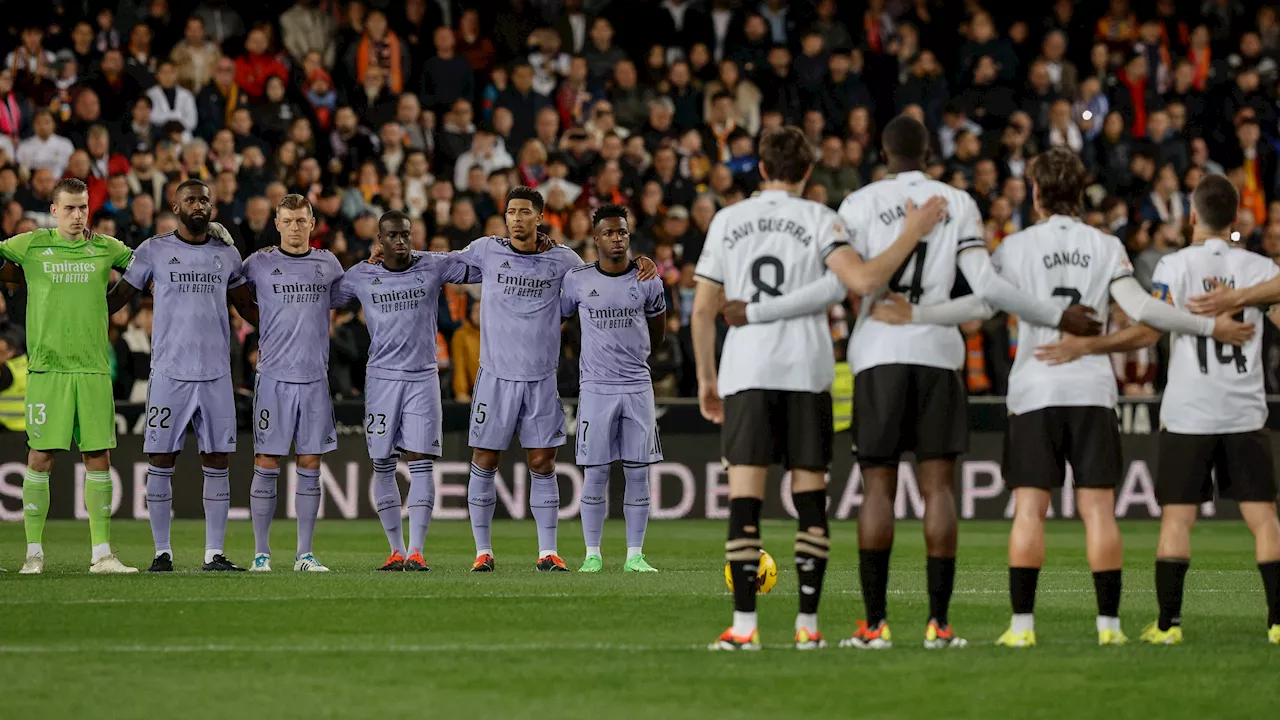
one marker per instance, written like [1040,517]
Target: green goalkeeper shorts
[66,406]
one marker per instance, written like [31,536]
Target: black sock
[942,579]
[1271,584]
[1171,573]
[873,570]
[1022,589]
[813,545]
[743,551]
[1106,585]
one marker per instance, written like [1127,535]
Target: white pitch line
[301,648]
[520,596]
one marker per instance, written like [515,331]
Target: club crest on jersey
[319,273]
[217,262]
[1160,291]
[634,294]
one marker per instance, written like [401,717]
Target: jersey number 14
[1227,354]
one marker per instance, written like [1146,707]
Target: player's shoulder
[103,240]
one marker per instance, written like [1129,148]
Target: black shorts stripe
[1039,444]
[899,409]
[1240,463]
[778,427]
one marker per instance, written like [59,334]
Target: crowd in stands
[438,107]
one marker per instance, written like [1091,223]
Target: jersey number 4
[1227,354]
[915,261]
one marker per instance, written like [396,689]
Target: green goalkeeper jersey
[67,298]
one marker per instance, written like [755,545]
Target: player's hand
[546,242]
[218,231]
[1229,331]
[1080,320]
[648,268]
[892,309]
[735,313]
[1218,301]
[1069,349]
[375,253]
[710,404]
[920,220]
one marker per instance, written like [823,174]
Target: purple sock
[482,500]
[594,509]
[217,505]
[262,506]
[386,497]
[421,501]
[544,505]
[635,503]
[306,501]
[160,506]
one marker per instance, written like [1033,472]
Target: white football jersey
[876,216]
[767,246]
[1213,388]
[1063,259]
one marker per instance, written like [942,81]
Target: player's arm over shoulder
[14,250]
[569,292]
[121,255]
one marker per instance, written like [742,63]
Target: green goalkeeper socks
[97,501]
[35,504]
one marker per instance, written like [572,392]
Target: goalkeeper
[69,384]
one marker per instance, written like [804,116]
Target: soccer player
[770,390]
[515,392]
[1214,410]
[1060,414]
[293,286]
[194,271]
[69,386]
[910,395]
[403,415]
[617,419]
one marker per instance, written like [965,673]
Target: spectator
[306,28]
[143,177]
[1135,95]
[256,65]
[1063,131]
[465,354]
[44,149]
[832,173]
[379,47]
[485,153]
[142,221]
[195,56]
[218,101]
[523,103]
[746,96]
[171,101]
[222,22]
[447,77]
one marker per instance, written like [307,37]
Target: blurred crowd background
[438,107]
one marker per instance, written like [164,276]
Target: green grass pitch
[515,644]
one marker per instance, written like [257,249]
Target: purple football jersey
[613,310]
[519,308]
[400,309]
[190,339]
[293,293]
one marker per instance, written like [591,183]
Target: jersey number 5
[915,261]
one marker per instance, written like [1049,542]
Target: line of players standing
[529,284]
[898,243]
